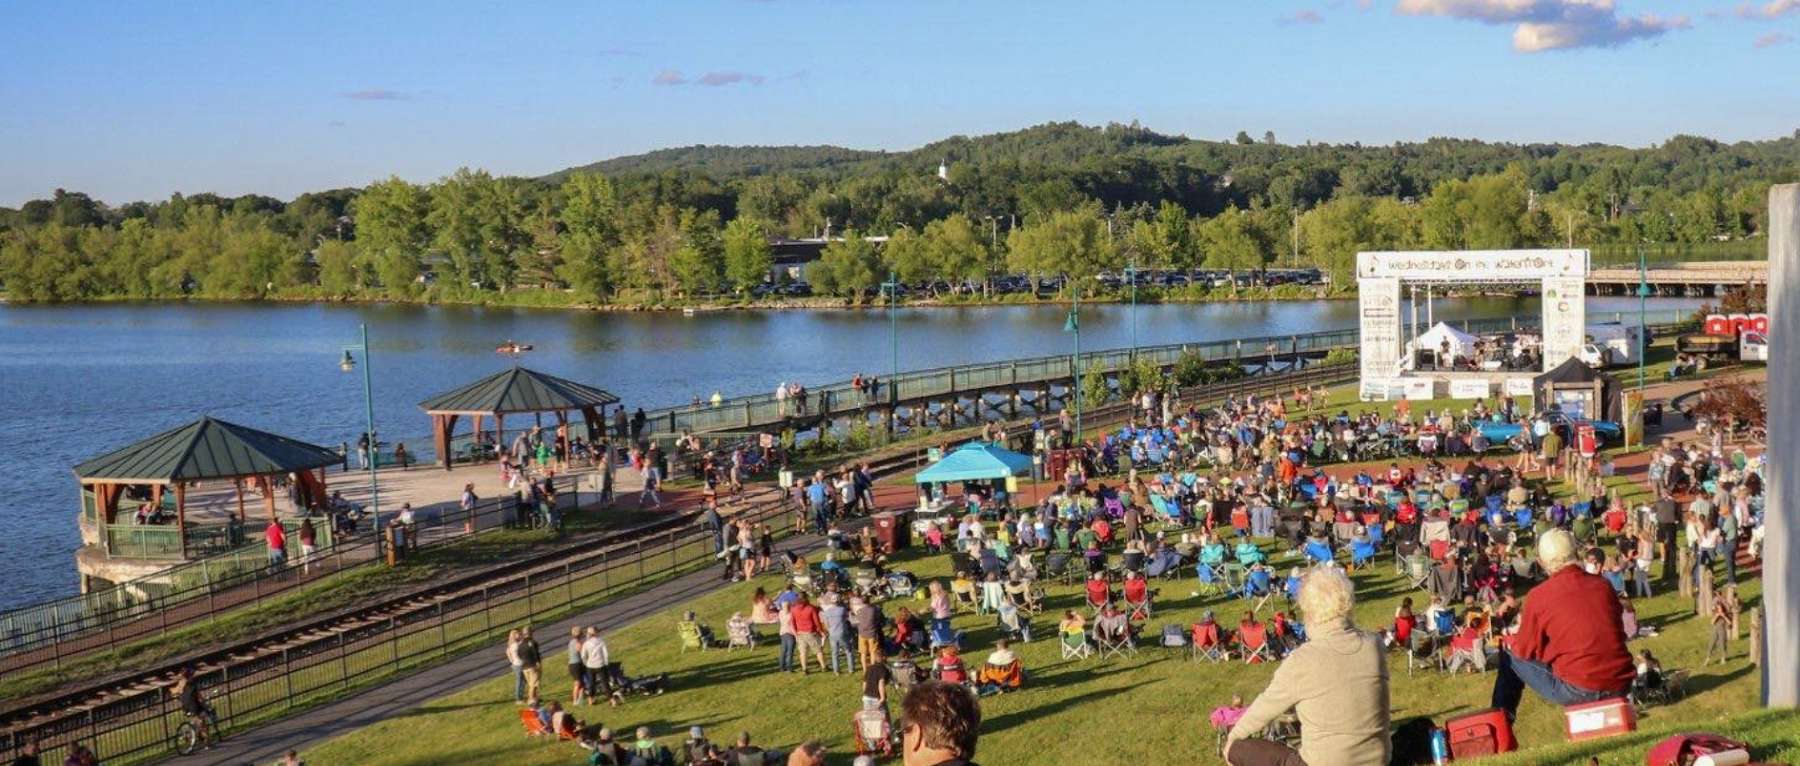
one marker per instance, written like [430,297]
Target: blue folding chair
[1495,503]
[1523,518]
[1318,552]
[1361,553]
[1257,586]
[1376,534]
[1212,581]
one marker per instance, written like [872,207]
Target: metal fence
[50,633]
[140,726]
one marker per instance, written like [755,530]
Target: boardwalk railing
[256,686]
[747,413]
[52,632]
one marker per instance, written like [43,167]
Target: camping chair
[1234,575]
[1075,646]
[802,581]
[534,726]
[693,636]
[1000,678]
[1318,552]
[1258,586]
[943,635]
[963,562]
[739,635]
[874,734]
[1253,643]
[1208,644]
[965,595]
[867,583]
[902,584]
[1138,597]
[1056,564]
[1421,651]
[1018,593]
[1212,581]
[1114,640]
[1013,624]
[1361,554]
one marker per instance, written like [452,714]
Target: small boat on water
[687,312]
[512,347]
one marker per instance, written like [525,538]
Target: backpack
[1412,742]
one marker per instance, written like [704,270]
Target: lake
[85,379]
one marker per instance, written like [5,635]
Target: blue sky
[137,100]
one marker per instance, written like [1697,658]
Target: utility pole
[1781,570]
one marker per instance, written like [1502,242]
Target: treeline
[1055,199]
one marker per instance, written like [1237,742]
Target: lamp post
[892,287]
[1643,298]
[349,365]
[1131,273]
[1073,325]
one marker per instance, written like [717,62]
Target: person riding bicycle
[193,705]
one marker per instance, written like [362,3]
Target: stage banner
[1471,389]
[1452,266]
[1518,386]
[1565,319]
[1378,302]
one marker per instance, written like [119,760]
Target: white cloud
[1769,10]
[1545,25]
[1773,39]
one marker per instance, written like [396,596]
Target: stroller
[644,686]
[874,734]
[902,584]
[868,583]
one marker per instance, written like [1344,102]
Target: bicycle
[187,735]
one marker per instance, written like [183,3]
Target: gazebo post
[476,424]
[268,488]
[239,483]
[499,434]
[180,514]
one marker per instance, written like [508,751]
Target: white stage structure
[1560,276]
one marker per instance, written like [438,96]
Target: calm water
[80,380]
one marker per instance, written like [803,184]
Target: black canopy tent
[1573,384]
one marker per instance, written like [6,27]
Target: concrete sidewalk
[267,743]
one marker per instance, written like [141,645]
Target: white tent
[1462,344]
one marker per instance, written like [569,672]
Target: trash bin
[893,529]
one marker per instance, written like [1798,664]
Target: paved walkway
[269,742]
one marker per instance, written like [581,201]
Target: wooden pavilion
[511,392]
[207,449]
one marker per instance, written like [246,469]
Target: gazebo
[976,461]
[207,449]
[514,391]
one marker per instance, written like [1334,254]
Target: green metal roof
[207,449]
[519,390]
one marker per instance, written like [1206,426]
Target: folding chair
[1318,552]
[1138,597]
[1253,640]
[1075,646]
[1421,651]
[692,636]
[874,734]
[1361,554]
[1116,642]
[943,635]
[1258,586]
[1234,576]
[965,595]
[1206,644]
[1212,581]
[738,635]
[1417,569]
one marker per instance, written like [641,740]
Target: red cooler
[1599,719]
[1481,733]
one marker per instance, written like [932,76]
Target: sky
[130,101]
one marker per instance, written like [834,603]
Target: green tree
[909,257]
[955,250]
[1095,390]
[847,267]
[1072,243]
[698,263]
[391,229]
[747,254]
[337,267]
[1229,241]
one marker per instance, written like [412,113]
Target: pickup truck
[1606,431]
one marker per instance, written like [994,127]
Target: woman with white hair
[1570,645]
[1336,682]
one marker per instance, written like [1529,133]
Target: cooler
[893,529]
[1599,719]
[1481,733]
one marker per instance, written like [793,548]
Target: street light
[1643,298]
[892,288]
[348,365]
[1131,273]
[1073,325]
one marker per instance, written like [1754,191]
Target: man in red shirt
[277,539]
[1570,646]
[809,631]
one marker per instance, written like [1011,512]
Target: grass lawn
[1142,710]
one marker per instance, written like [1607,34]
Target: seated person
[1098,592]
[1336,684]
[1072,624]
[563,723]
[1467,646]
[1249,553]
[1112,626]
[1649,673]
[762,609]
[948,667]
[909,630]
[1212,552]
[1013,622]
[606,750]
[1002,671]
[1570,642]
[1286,634]
[691,627]
[1226,716]
[1207,634]
[1252,638]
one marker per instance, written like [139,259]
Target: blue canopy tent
[976,462]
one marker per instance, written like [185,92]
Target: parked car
[1608,432]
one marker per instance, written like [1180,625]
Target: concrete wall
[1781,554]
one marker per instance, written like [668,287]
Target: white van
[1610,344]
[1753,346]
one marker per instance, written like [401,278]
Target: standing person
[716,525]
[531,662]
[276,538]
[638,419]
[362,452]
[652,476]
[940,724]
[1721,624]
[309,544]
[877,676]
[867,618]
[28,756]
[467,504]
[518,665]
[765,547]
[837,631]
[819,498]
[785,622]
[1668,525]
[620,428]
[607,457]
[865,487]
[809,632]
[401,456]
[577,671]
[594,660]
